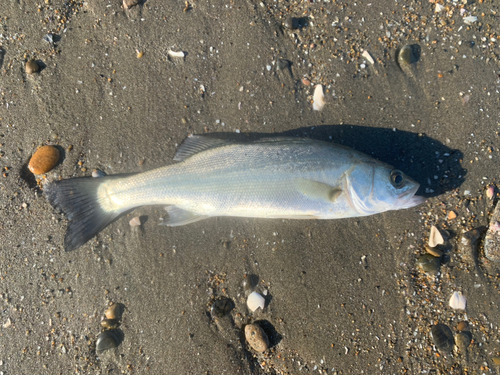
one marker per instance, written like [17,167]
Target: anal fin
[177,217]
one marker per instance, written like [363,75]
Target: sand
[343,296]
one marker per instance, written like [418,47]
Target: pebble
[114,311]
[96,173]
[462,326]
[490,192]
[463,340]
[106,340]
[451,215]
[442,338]
[109,323]
[44,159]
[292,23]
[467,247]
[256,338]
[32,67]
[435,238]
[496,360]
[221,307]
[429,264]
[406,56]
[254,301]
[306,82]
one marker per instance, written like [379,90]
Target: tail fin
[77,199]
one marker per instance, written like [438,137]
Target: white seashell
[176,55]
[254,301]
[469,20]
[458,301]
[135,221]
[438,8]
[368,57]
[318,98]
[435,238]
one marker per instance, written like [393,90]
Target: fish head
[377,187]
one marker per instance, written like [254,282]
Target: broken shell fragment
[114,311]
[32,67]
[435,238]
[172,55]
[107,340]
[44,159]
[135,221]
[254,301]
[458,301]
[318,98]
[368,57]
[442,337]
[109,323]
[127,4]
[490,191]
[256,338]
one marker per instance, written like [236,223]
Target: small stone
[462,326]
[306,82]
[44,159]
[490,191]
[442,338]
[429,264]
[114,311]
[107,340]
[140,54]
[127,4]
[291,23]
[451,215]
[109,323]
[96,173]
[435,238]
[256,338]
[407,56]
[496,360]
[492,238]
[32,67]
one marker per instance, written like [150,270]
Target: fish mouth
[409,199]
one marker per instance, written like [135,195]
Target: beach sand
[342,296]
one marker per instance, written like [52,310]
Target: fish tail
[78,199]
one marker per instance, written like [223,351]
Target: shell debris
[173,55]
[254,301]
[458,301]
[435,238]
[318,98]
[368,57]
[135,221]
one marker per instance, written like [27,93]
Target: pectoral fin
[177,217]
[318,190]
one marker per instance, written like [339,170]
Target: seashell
[490,191]
[172,55]
[254,301]
[429,264]
[438,8]
[442,338]
[221,307]
[318,98]
[435,238]
[109,323]
[127,4]
[107,340]
[469,20]
[368,57]
[114,311]
[458,301]
[44,159]
[32,67]
[434,251]
[135,221]
[256,338]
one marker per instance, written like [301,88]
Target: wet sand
[343,296]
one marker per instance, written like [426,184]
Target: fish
[282,177]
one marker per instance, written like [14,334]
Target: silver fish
[288,178]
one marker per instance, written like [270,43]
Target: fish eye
[397,178]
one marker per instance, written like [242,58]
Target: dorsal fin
[195,144]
